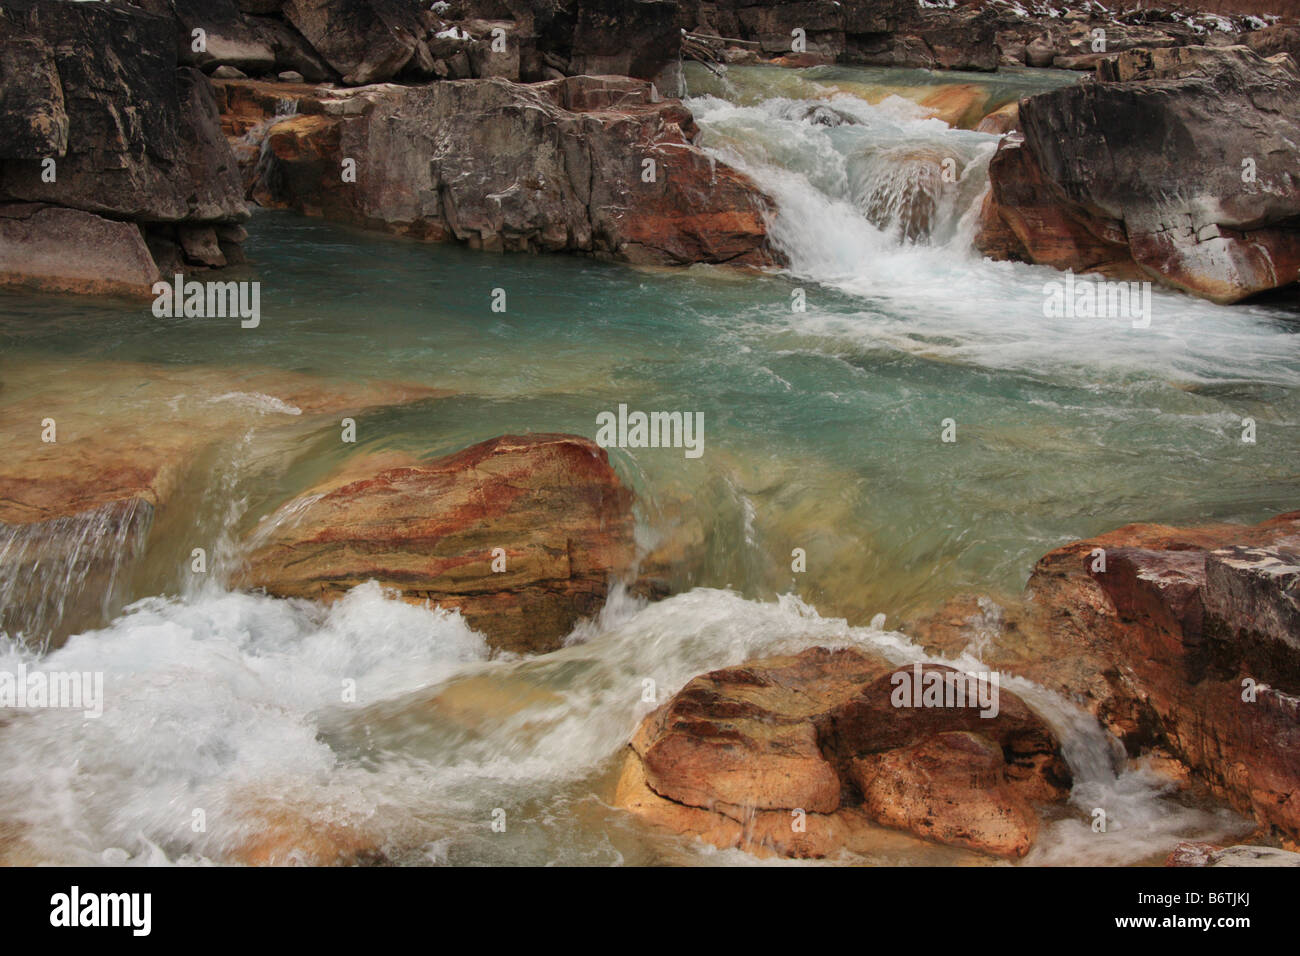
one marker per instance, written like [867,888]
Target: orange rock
[1004,119]
[960,105]
[1160,649]
[551,503]
[739,753]
[295,836]
[951,788]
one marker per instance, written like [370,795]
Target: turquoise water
[823,431]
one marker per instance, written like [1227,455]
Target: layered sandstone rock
[592,164]
[522,534]
[807,755]
[97,452]
[1181,640]
[1176,165]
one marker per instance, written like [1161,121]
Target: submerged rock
[1207,854]
[522,534]
[77,510]
[284,834]
[823,734]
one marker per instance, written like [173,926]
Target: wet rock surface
[1174,164]
[824,734]
[524,535]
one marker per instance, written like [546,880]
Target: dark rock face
[887,33]
[131,136]
[554,166]
[143,141]
[636,38]
[364,40]
[1183,158]
[31,100]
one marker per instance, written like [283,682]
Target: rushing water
[822,431]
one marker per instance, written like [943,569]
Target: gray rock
[365,41]
[498,165]
[199,243]
[51,249]
[1254,595]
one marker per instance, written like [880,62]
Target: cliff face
[117,148]
[468,121]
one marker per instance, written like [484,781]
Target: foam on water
[844,195]
[231,703]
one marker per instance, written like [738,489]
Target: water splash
[68,571]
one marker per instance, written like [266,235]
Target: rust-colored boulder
[744,738]
[1183,639]
[821,738]
[872,722]
[522,534]
[951,788]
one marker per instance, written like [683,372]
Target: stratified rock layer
[804,755]
[522,534]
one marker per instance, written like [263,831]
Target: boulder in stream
[522,534]
[1175,162]
[807,755]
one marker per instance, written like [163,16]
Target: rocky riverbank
[1174,165]
[509,125]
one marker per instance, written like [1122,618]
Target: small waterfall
[66,573]
[853,180]
[900,191]
[255,139]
